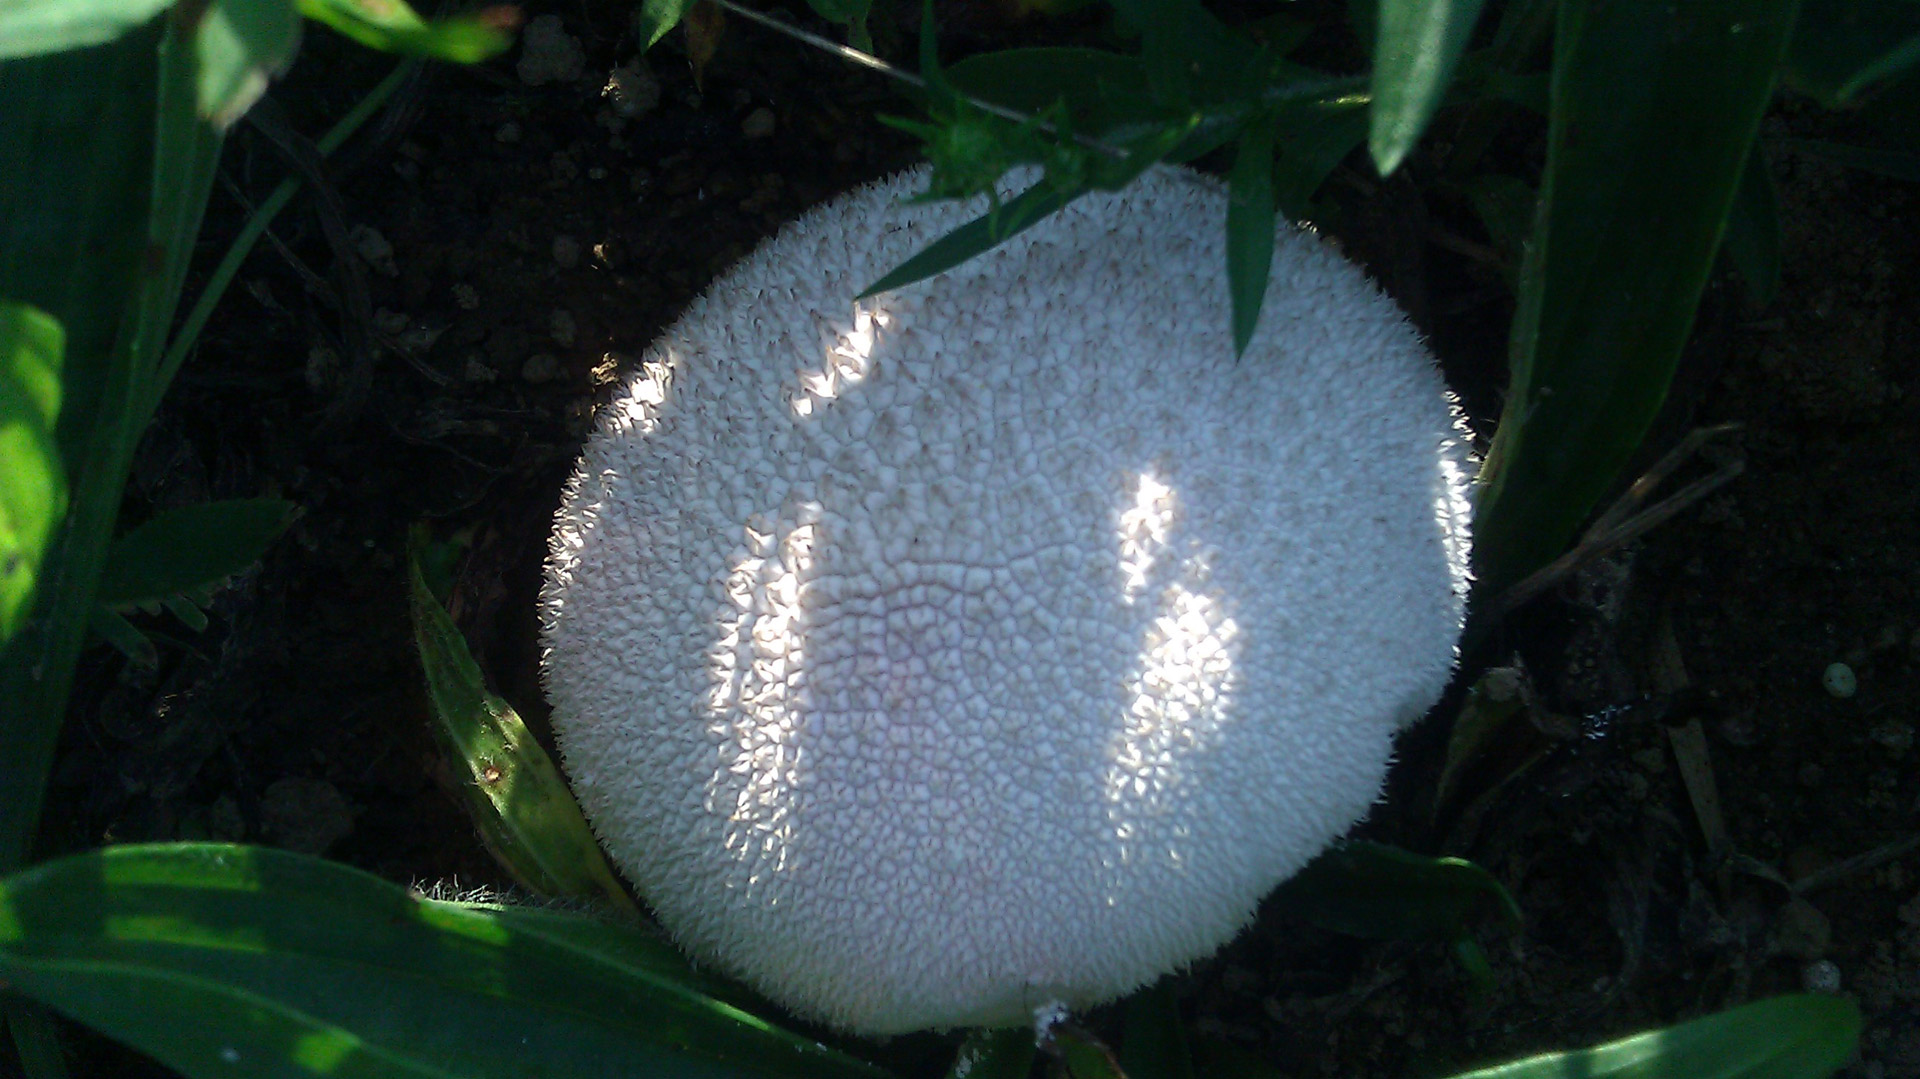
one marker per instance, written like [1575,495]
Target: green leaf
[994,1053]
[1250,204]
[191,548]
[1753,229]
[1842,48]
[1313,137]
[392,26]
[522,806]
[1017,214]
[653,18]
[1654,107]
[242,45]
[1085,1056]
[1418,44]
[220,959]
[1382,892]
[1155,1043]
[34,27]
[1791,1037]
[33,481]
[78,143]
[113,628]
[1100,90]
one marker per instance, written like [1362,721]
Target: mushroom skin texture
[1003,639]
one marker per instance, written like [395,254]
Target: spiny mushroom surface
[1003,639]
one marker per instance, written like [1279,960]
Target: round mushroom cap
[1005,638]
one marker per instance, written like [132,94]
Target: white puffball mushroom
[1840,681]
[1004,639]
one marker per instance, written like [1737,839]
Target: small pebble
[1840,680]
[540,367]
[758,124]
[548,53]
[561,327]
[508,133]
[566,252]
[631,90]
[374,249]
[1820,976]
[1893,735]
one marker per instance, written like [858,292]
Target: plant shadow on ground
[523,242]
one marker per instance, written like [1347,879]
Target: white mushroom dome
[1003,639]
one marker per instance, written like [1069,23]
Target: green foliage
[1654,109]
[37,27]
[33,486]
[1373,890]
[1005,1053]
[1782,1038]
[1842,48]
[524,809]
[1417,45]
[220,959]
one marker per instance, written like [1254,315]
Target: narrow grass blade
[1791,1037]
[1415,51]
[392,26]
[1843,48]
[191,548]
[36,27]
[517,798]
[220,959]
[1654,107]
[33,480]
[1250,208]
[1016,215]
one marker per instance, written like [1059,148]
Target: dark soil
[519,244]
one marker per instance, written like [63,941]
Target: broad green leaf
[653,18]
[1753,229]
[1791,1037]
[994,1053]
[522,806]
[33,481]
[220,959]
[392,26]
[78,143]
[242,45]
[1844,47]
[1372,890]
[35,27]
[1654,107]
[1154,1045]
[1416,47]
[191,548]
[1101,90]
[1193,60]
[1250,205]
